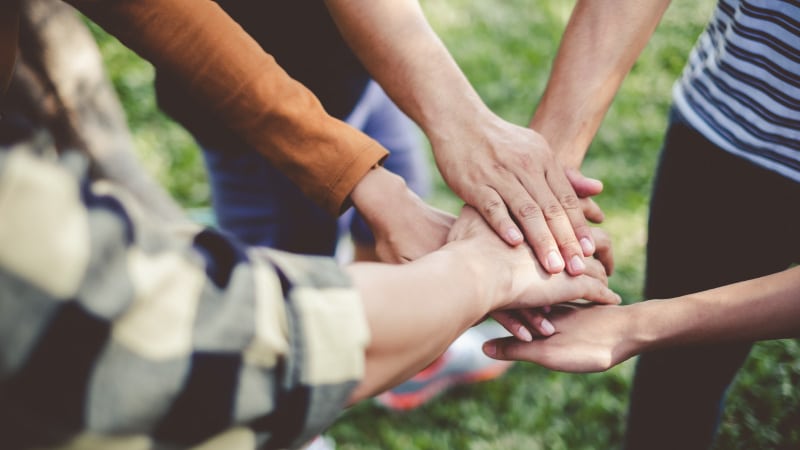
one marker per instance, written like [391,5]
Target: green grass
[505,48]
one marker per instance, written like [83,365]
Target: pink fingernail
[576,264]
[514,235]
[548,327]
[490,349]
[587,246]
[524,334]
[554,262]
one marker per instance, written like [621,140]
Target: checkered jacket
[117,331]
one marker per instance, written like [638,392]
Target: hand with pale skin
[596,338]
[528,276]
[405,227]
[510,175]
[524,324]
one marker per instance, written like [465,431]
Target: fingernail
[554,262]
[490,349]
[576,264]
[587,246]
[548,327]
[514,235]
[524,334]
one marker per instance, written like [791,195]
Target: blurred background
[505,47]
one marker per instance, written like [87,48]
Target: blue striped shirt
[741,85]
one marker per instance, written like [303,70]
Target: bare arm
[501,169]
[415,311]
[597,338]
[601,42]
[101,294]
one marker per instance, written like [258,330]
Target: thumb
[512,349]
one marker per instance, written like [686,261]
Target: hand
[500,168]
[527,323]
[516,280]
[588,339]
[405,227]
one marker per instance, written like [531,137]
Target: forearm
[254,96]
[600,44]
[397,45]
[758,309]
[415,311]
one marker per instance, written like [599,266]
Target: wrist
[649,326]
[460,123]
[568,137]
[489,281]
[369,196]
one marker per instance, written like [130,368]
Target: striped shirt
[741,85]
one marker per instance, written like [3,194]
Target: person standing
[723,207]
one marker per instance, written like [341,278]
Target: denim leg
[378,117]
[258,204]
[715,219]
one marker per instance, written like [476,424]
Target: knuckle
[529,211]
[571,245]
[526,161]
[553,211]
[570,201]
[541,240]
[492,208]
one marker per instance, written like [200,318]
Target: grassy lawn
[505,47]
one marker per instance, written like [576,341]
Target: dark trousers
[715,219]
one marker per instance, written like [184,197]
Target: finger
[596,270]
[510,322]
[534,224]
[538,320]
[597,291]
[592,212]
[493,209]
[546,353]
[572,206]
[604,252]
[584,187]
[509,349]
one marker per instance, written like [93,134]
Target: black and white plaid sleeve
[120,332]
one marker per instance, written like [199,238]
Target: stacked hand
[588,339]
[510,175]
[515,278]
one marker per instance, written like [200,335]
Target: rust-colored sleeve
[196,41]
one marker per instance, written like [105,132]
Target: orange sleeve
[196,41]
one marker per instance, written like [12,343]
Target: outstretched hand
[510,175]
[588,339]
